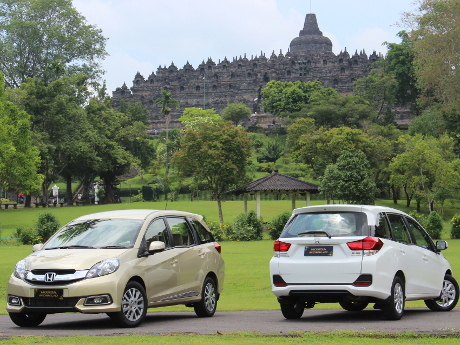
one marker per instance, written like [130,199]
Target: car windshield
[327,224]
[96,233]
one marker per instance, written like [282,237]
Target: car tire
[448,298]
[27,320]
[353,306]
[133,306]
[393,308]
[292,308]
[207,306]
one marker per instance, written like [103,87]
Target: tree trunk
[219,206]
[69,193]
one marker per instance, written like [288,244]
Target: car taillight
[279,246]
[218,247]
[369,245]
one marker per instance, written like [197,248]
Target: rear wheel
[448,298]
[353,306]
[133,306]
[27,320]
[208,304]
[292,308]
[393,308]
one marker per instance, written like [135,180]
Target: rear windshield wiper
[315,232]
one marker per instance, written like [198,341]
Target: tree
[217,154]
[45,39]
[286,97]
[19,158]
[271,153]
[235,112]
[435,36]
[350,179]
[193,117]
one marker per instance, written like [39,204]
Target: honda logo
[49,277]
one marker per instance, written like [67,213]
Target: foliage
[286,97]
[455,230]
[27,235]
[192,118]
[235,112]
[215,153]
[434,225]
[271,153]
[246,227]
[350,179]
[220,231]
[430,123]
[46,39]
[276,226]
[46,225]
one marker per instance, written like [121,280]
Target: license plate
[49,293]
[318,251]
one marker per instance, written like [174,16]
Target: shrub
[434,225]
[277,224]
[247,227]
[455,230]
[422,219]
[46,226]
[27,235]
[221,232]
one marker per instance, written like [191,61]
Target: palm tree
[167,103]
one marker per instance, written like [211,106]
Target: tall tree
[216,154]
[45,39]
[193,117]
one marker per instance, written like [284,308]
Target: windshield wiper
[72,247]
[113,247]
[315,232]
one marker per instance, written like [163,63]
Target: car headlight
[103,268]
[20,269]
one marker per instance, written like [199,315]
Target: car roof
[140,214]
[370,209]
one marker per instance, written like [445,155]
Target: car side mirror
[156,246]
[37,247]
[441,245]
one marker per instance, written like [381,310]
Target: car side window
[400,231]
[382,229]
[204,235]
[421,237]
[180,231]
[157,231]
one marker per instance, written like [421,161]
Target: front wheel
[393,308]
[448,298]
[207,306]
[133,306]
[292,309]
[353,306]
[27,320]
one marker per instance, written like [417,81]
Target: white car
[355,255]
[119,263]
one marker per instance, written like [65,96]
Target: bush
[246,227]
[434,225]
[422,219]
[277,224]
[221,232]
[46,226]
[455,230]
[27,235]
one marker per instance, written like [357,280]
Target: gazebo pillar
[258,204]
[293,200]
[307,198]
[245,198]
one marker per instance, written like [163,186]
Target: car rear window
[332,224]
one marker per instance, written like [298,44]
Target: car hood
[77,259]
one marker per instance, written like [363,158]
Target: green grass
[311,338]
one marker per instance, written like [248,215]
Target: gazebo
[275,183]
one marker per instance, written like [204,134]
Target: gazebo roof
[275,183]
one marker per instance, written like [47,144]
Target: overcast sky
[144,34]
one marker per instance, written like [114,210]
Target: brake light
[279,246]
[218,247]
[369,245]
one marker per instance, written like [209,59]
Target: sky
[146,34]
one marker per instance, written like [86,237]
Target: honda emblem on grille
[49,277]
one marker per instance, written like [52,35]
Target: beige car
[120,263]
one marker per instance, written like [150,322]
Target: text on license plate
[49,293]
[318,251]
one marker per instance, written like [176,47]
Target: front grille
[68,302]
[57,271]
[55,283]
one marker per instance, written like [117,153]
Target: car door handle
[402,252]
[201,253]
[174,262]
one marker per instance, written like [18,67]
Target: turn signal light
[218,247]
[279,246]
[370,245]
